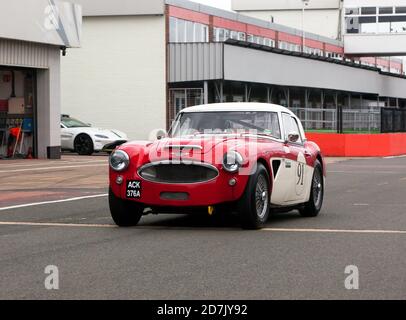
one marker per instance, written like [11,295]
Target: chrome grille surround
[178,172]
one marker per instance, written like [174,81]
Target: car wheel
[254,204]
[84,145]
[124,213]
[313,206]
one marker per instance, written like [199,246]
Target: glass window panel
[368,10]
[367,19]
[226,34]
[206,33]
[369,28]
[386,10]
[398,27]
[384,27]
[351,11]
[190,31]
[393,18]
[241,36]
[234,35]
[221,34]
[352,25]
[215,34]
[400,9]
[172,29]
[181,31]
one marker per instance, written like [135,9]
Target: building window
[241,36]
[371,20]
[368,10]
[181,31]
[400,9]
[351,11]
[385,10]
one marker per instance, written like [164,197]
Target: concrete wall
[372,3]
[120,7]
[48,107]
[283,4]
[118,78]
[375,44]
[322,22]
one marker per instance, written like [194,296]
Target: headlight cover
[119,160]
[232,161]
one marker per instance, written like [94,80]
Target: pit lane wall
[360,145]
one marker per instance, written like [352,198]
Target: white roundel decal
[300,174]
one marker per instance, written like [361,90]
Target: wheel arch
[323,165]
[268,169]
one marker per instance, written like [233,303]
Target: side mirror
[293,137]
[160,134]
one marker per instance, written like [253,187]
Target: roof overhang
[51,22]
[100,8]
[244,63]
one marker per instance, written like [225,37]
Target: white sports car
[84,139]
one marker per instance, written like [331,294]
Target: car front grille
[177,173]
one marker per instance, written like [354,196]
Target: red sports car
[249,158]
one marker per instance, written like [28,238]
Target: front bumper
[155,194]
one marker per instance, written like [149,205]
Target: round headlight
[119,160]
[232,161]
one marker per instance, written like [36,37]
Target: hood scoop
[182,147]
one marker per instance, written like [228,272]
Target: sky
[223,4]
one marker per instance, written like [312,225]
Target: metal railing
[354,119]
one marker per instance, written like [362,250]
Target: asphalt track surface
[363,223]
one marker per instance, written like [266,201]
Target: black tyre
[84,145]
[254,204]
[313,206]
[124,213]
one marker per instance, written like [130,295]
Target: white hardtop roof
[237,106]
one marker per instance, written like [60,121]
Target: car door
[296,154]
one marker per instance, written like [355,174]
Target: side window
[290,125]
[274,124]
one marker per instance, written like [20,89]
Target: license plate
[133,189]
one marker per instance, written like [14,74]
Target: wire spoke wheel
[317,189]
[261,196]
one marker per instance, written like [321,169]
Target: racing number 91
[300,173]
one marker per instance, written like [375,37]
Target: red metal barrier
[360,145]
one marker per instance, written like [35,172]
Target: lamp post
[305,4]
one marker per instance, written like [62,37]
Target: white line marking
[361,204]
[54,168]
[395,157]
[61,162]
[336,231]
[53,201]
[83,225]
[365,172]
[50,224]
